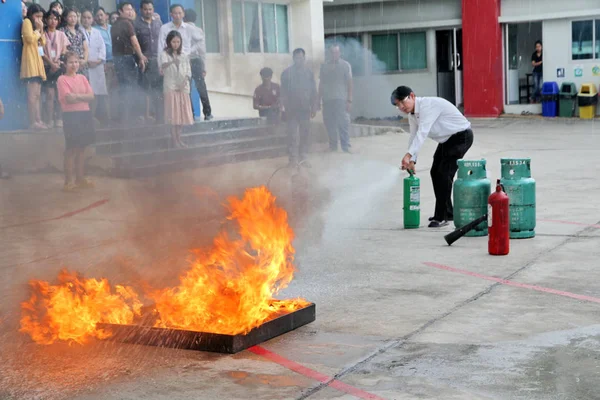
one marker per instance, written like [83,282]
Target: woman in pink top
[74,95]
[55,47]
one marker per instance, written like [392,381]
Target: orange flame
[70,310]
[228,289]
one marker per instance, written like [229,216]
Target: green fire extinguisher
[412,201]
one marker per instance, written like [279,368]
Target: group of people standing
[119,59]
[79,64]
[299,99]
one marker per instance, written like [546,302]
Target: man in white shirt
[441,121]
[198,63]
[193,39]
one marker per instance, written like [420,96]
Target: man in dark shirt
[538,69]
[147,30]
[299,99]
[125,47]
[266,97]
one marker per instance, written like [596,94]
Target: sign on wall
[596,70]
[560,72]
[578,71]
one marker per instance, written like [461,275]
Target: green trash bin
[567,98]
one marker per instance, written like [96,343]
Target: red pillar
[482,58]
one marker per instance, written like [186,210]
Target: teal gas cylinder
[520,187]
[470,195]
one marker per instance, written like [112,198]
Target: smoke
[344,196]
[353,50]
[364,64]
[357,191]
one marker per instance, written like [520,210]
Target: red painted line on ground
[312,374]
[570,223]
[67,215]
[514,284]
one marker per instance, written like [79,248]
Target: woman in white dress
[96,60]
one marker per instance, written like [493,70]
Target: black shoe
[208,117]
[437,224]
[347,151]
[451,218]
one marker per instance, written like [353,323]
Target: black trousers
[197,75]
[298,131]
[443,170]
[127,73]
[151,83]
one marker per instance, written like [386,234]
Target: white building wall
[232,77]
[384,15]
[557,54]
[532,9]
[556,17]
[372,92]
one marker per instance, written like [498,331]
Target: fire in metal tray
[205,341]
[227,296]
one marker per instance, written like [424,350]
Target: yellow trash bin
[587,99]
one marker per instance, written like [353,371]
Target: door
[458,67]
[449,65]
[519,44]
[445,65]
[513,64]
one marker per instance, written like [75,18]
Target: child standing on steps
[75,95]
[175,67]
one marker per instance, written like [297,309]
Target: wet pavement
[400,315]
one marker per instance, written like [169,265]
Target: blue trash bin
[550,99]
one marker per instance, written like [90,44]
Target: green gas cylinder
[470,195]
[412,201]
[520,187]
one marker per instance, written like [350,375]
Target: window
[208,19]
[582,37]
[413,54]
[403,51]
[385,52]
[251,27]
[352,50]
[260,27]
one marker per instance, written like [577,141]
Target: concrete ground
[400,315]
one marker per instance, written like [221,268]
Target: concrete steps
[168,166]
[192,139]
[147,151]
[147,131]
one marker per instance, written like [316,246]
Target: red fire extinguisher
[498,222]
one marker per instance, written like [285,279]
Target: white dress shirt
[193,44]
[435,118]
